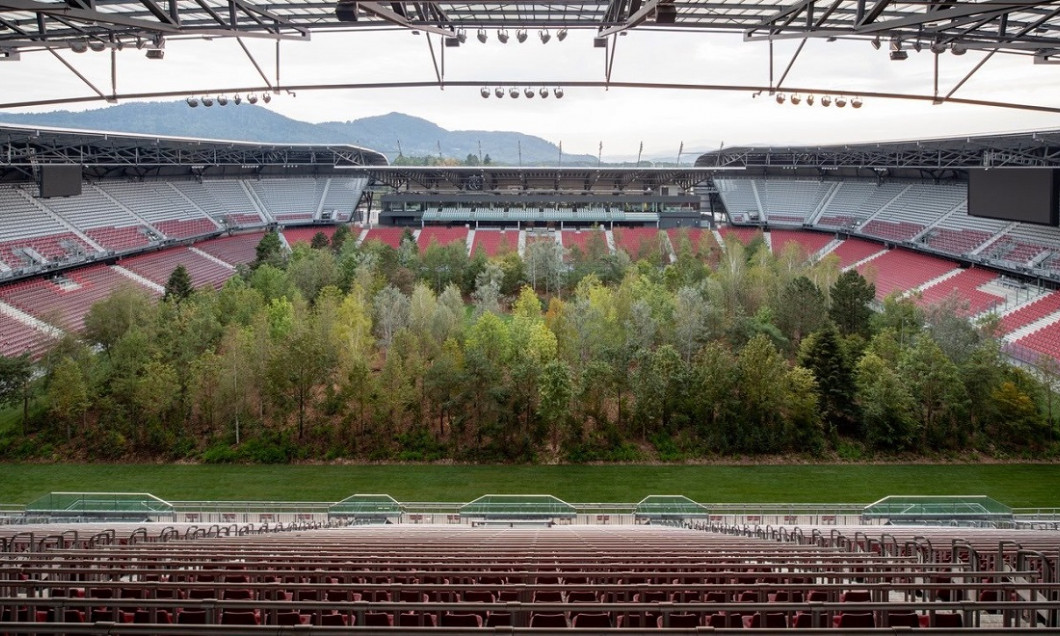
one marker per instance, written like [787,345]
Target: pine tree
[178,287]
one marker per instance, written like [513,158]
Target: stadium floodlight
[898,56]
[796,99]
[529,92]
[520,35]
[265,97]
[562,34]
[79,46]
[876,43]
[781,97]
[958,49]
[840,101]
[809,99]
[938,48]
[499,92]
[96,45]
[826,101]
[545,36]
[222,100]
[237,99]
[856,102]
[485,92]
[252,98]
[513,93]
[543,92]
[193,102]
[461,35]
[502,36]
[558,92]
[207,101]
[482,37]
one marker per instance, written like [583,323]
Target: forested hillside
[366,352]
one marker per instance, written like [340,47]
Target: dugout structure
[111,506]
[669,510]
[974,510]
[518,510]
[366,509]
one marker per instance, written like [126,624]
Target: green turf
[1018,485]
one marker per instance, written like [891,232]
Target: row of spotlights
[513,92]
[222,100]
[826,100]
[520,35]
[898,51]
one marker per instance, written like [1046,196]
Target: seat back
[461,620]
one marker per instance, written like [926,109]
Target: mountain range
[391,134]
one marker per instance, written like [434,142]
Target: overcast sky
[619,118]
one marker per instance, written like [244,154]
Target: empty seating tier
[559,577]
[966,285]
[17,338]
[441,235]
[306,234]
[64,300]
[240,249]
[386,235]
[494,243]
[901,270]
[853,251]
[702,240]
[580,239]
[158,266]
[742,234]
[638,241]
[810,242]
[1031,312]
[290,199]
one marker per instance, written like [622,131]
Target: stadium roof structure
[930,157]
[100,504]
[522,507]
[366,506]
[487,178]
[936,509]
[669,507]
[107,154]
[1028,27]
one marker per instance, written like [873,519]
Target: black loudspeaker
[665,14]
[346,11]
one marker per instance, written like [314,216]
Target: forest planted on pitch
[365,352]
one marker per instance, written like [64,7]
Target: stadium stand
[701,240]
[157,267]
[225,201]
[386,235]
[1044,340]
[811,243]
[742,234]
[792,202]
[571,238]
[853,251]
[290,200]
[64,299]
[637,240]
[901,270]
[17,338]
[162,206]
[1031,312]
[341,198]
[966,285]
[305,234]
[855,201]
[110,225]
[32,237]
[441,235]
[548,578]
[495,243]
[239,249]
